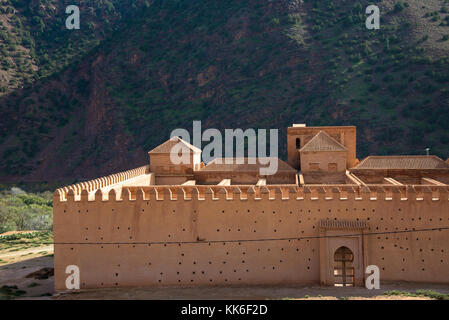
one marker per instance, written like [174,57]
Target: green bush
[25,211]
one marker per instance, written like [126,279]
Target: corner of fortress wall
[85,188]
[189,235]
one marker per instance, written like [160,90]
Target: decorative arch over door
[344,271]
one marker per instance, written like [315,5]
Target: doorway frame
[341,234]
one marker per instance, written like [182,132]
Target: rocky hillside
[81,103]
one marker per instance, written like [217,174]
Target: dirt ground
[36,263]
[16,265]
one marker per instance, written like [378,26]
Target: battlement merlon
[252,192]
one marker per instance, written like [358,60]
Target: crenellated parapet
[82,189]
[253,192]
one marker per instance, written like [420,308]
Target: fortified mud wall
[213,235]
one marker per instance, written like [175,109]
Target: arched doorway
[343,267]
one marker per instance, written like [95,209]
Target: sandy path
[255,292]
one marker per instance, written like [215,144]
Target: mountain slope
[258,64]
